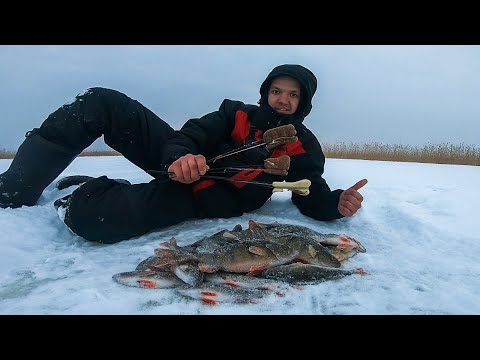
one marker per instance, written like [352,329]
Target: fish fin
[229,235]
[256,269]
[253,225]
[360,271]
[207,268]
[208,297]
[159,265]
[297,287]
[259,250]
[170,244]
[165,257]
[164,245]
[208,301]
[312,252]
[147,283]
[340,255]
[237,228]
[301,260]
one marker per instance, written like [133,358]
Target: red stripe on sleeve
[242,127]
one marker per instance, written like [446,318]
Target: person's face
[284,95]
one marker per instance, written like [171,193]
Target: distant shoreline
[444,153]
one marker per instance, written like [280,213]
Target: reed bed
[6,154]
[444,153]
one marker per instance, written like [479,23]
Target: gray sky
[391,94]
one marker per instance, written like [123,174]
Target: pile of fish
[244,265]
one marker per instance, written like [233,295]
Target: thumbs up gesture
[351,200]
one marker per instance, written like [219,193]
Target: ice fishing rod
[273,166]
[300,187]
[272,138]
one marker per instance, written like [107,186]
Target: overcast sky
[392,94]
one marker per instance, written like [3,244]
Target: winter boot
[68,181]
[36,164]
[72,180]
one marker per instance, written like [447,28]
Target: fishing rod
[273,166]
[272,138]
[247,169]
[300,187]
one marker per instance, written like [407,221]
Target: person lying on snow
[111,210]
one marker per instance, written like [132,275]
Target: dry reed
[444,153]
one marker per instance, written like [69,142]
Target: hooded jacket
[235,124]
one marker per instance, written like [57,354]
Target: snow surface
[419,224]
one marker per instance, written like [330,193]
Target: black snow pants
[103,209]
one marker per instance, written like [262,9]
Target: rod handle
[301,187]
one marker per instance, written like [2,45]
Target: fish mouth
[360,248]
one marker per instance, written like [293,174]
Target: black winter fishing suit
[108,211]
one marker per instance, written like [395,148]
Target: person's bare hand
[188,168]
[351,200]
